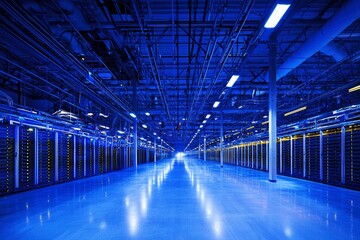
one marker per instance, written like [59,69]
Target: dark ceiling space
[173,60]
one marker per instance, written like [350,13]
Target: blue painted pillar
[272,109]
[221,140]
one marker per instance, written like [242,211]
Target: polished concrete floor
[182,199]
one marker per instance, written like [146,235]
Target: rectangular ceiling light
[295,111]
[354,88]
[216,104]
[208,116]
[266,122]
[250,127]
[133,115]
[232,81]
[276,15]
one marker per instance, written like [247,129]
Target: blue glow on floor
[182,199]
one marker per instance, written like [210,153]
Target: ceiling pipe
[343,18]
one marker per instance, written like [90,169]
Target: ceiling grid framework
[177,57]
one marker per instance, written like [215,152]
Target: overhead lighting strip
[295,111]
[276,15]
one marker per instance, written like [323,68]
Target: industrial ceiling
[169,61]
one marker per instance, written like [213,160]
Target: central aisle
[182,199]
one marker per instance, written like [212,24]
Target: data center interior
[172,119]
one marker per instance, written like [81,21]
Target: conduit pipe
[343,18]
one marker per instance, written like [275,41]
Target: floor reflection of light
[91,217]
[208,210]
[127,201]
[41,219]
[48,214]
[143,203]
[103,225]
[217,227]
[288,231]
[133,221]
[149,187]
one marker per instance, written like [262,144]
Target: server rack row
[34,157]
[330,156]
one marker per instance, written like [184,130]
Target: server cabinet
[298,156]
[286,155]
[313,156]
[46,140]
[332,156]
[89,156]
[66,156]
[101,156]
[352,157]
[264,156]
[7,168]
[26,158]
[79,148]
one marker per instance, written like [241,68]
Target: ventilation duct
[343,18]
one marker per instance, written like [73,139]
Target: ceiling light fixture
[133,115]
[295,111]
[103,115]
[353,89]
[208,116]
[266,122]
[144,126]
[147,114]
[204,121]
[232,81]
[216,104]
[276,15]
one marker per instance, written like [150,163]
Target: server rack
[79,156]
[66,156]
[286,155]
[298,156]
[101,156]
[332,156]
[46,157]
[26,158]
[352,156]
[313,156]
[7,168]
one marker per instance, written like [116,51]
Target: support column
[147,154]
[17,156]
[155,150]
[257,155]
[111,154]
[56,156]
[304,155]
[343,132]
[291,155]
[36,160]
[161,149]
[321,157]
[135,144]
[74,157]
[106,155]
[204,148]
[94,156]
[85,156]
[252,155]
[272,108]
[281,156]
[221,140]
[199,153]
[237,155]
